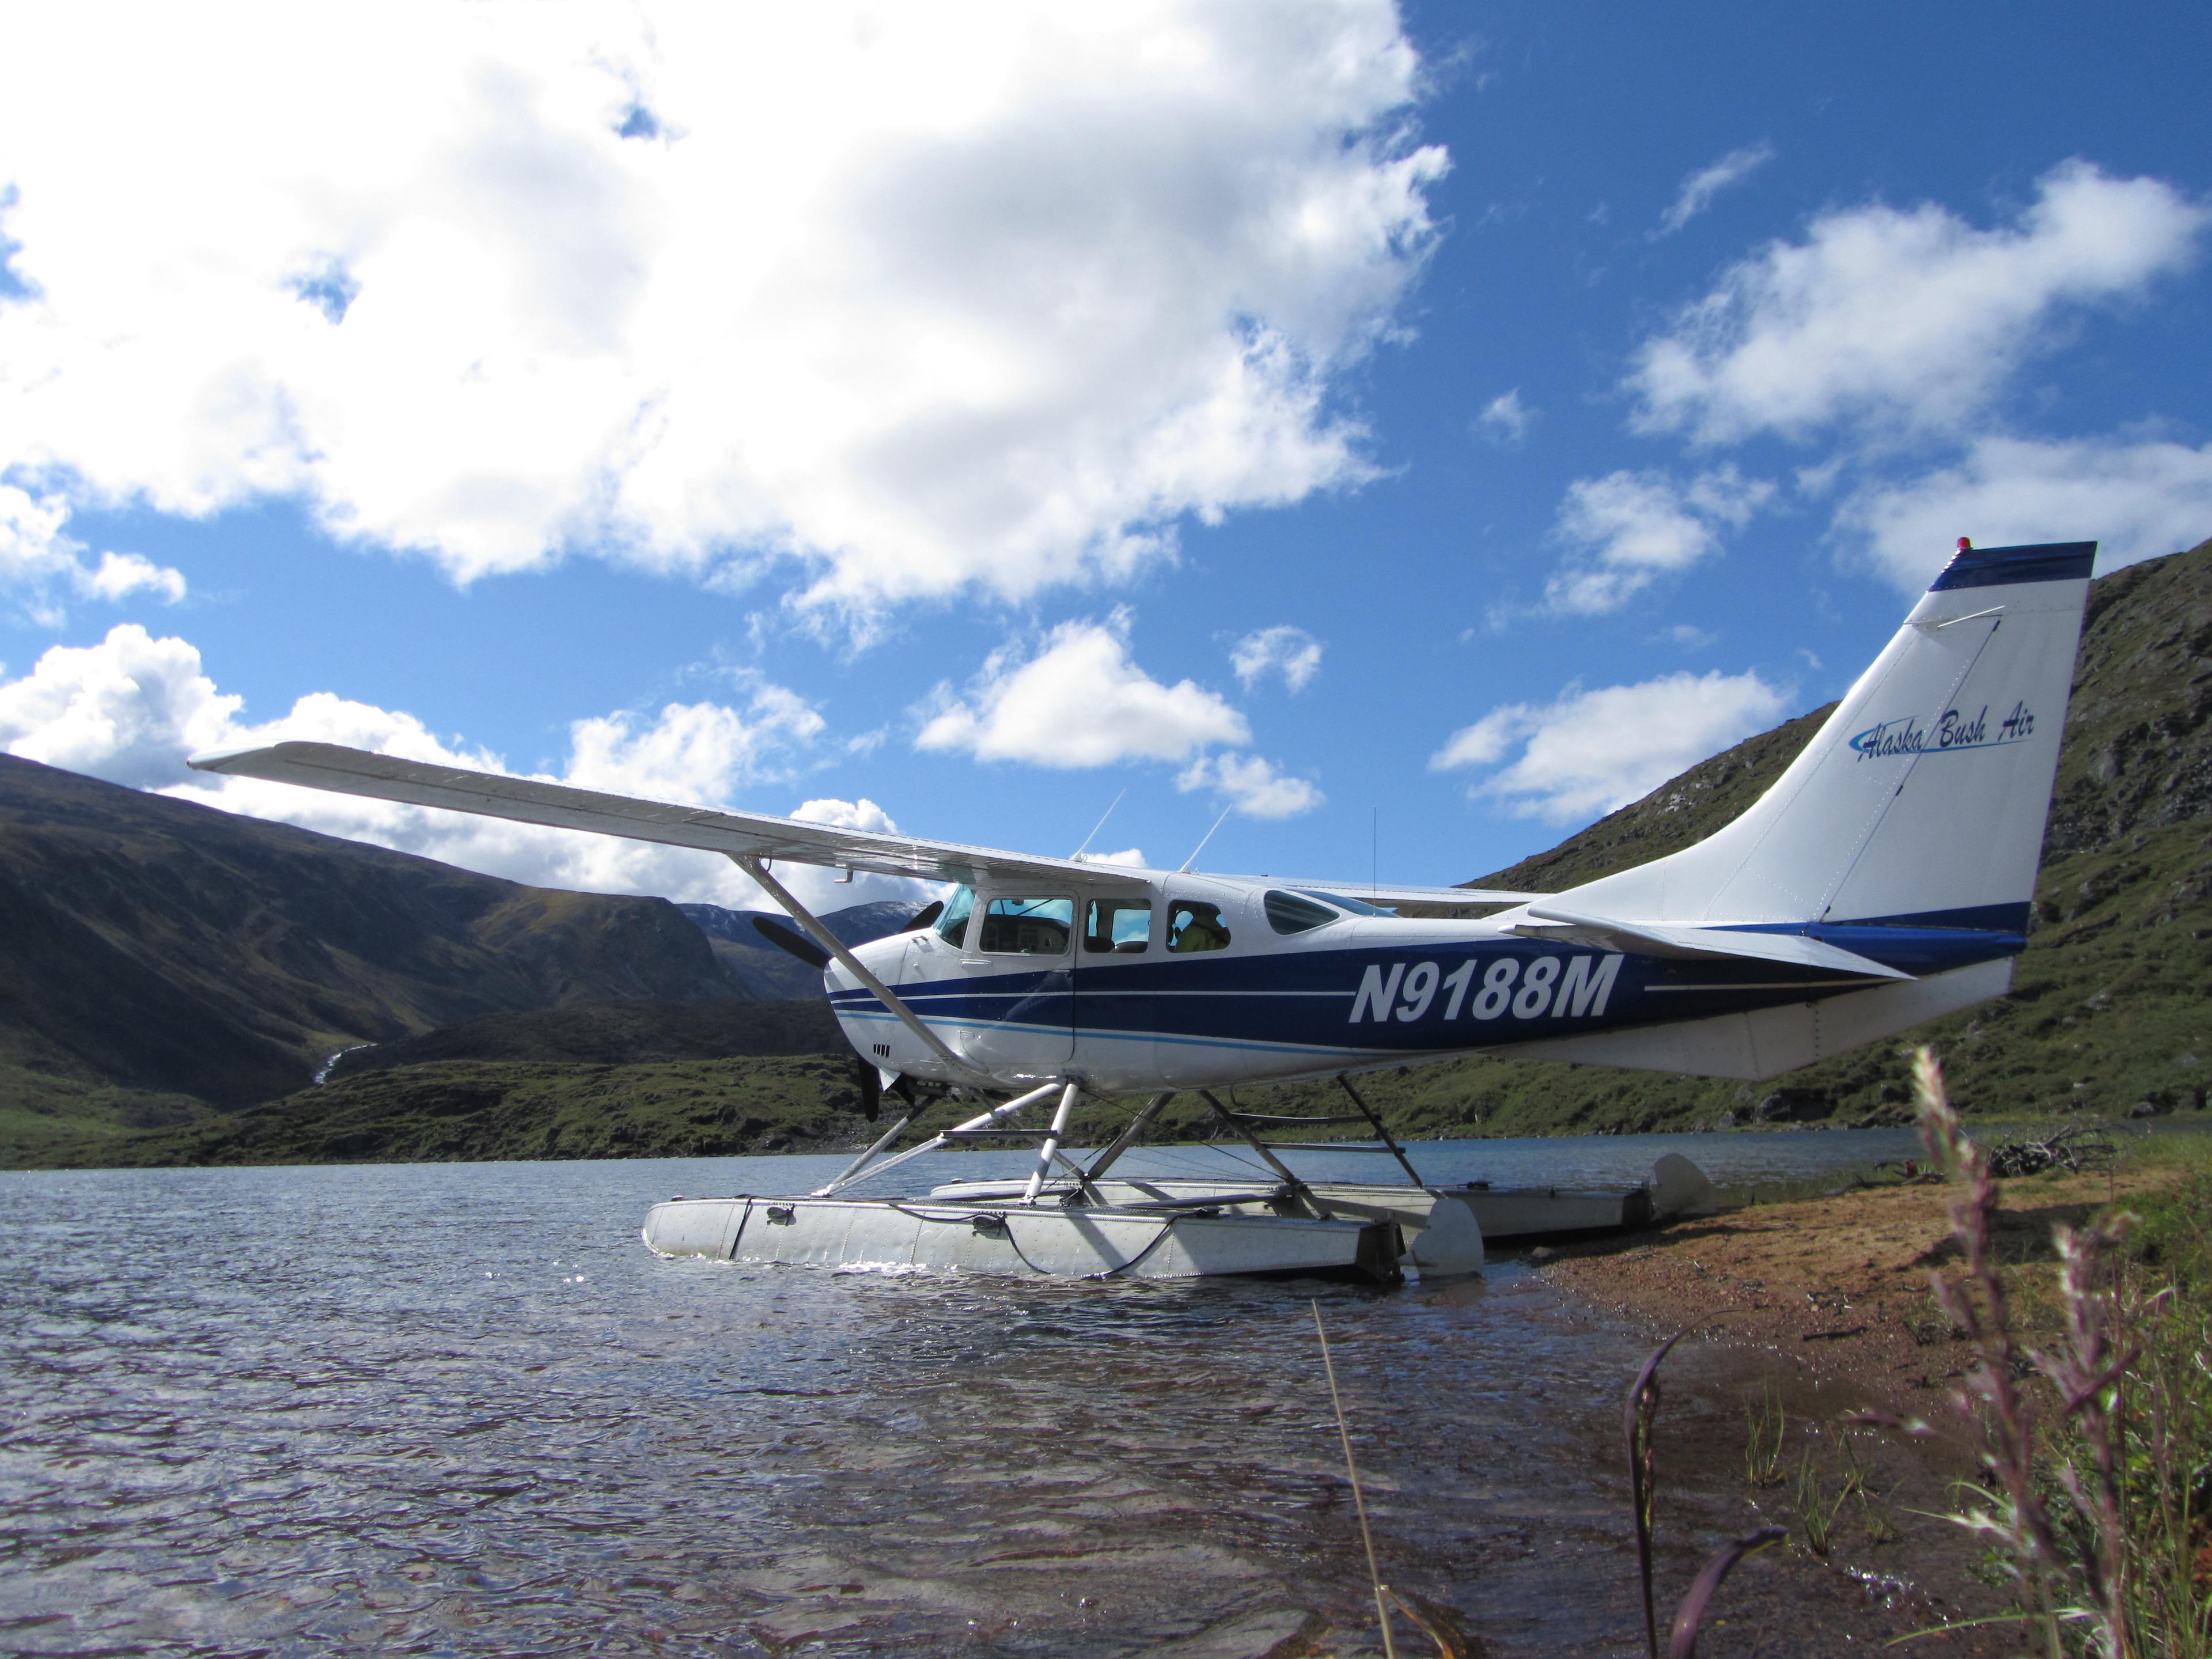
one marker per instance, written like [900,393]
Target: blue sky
[927,415]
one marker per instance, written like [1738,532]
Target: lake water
[459,1409]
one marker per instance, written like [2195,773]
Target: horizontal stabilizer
[1706,943]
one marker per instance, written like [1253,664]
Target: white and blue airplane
[1884,879]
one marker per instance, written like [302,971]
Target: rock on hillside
[157,945]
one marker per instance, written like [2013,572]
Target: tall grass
[2094,1448]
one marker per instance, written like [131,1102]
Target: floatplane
[1883,880]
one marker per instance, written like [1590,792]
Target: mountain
[770,973]
[154,945]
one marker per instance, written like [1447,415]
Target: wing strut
[758,869]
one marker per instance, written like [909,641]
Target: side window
[953,924]
[1123,926]
[1028,927]
[1293,913]
[1193,924]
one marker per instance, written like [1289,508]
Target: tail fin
[1923,798]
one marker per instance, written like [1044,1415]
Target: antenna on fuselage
[1076,857]
[1207,837]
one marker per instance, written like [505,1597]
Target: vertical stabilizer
[1923,797]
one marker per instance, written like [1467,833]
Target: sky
[1411,432]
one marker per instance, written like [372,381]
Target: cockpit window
[1294,913]
[1028,927]
[1194,925]
[952,925]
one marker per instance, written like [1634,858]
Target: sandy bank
[1837,1287]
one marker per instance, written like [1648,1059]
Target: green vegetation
[2095,1480]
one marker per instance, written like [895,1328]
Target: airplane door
[1015,1007]
[1114,1009]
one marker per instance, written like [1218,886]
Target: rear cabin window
[1291,913]
[1194,925]
[952,925]
[1123,926]
[1028,927]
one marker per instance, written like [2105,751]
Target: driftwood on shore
[2073,1148]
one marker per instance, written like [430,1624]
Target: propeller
[798,945]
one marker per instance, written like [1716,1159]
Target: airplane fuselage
[1195,983]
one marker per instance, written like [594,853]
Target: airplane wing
[1663,939]
[756,834]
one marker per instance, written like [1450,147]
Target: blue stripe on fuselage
[1296,999]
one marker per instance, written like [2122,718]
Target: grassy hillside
[463,1110]
[2110,1006]
[625,1033]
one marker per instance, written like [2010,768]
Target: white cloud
[1698,190]
[700,752]
[1134,857]
[131,707]
[1079,702]
[1505,419]
[1591,751]
[128,709]
[1290,652]
[39,560]
[914,298]
[862,814]
[2138,499]
[1251,785]
[1625,531]
[1905,321]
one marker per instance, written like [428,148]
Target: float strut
[1051,1145]
[930,1145]
[1123,1141]
[1368,1112]
[1230,1120]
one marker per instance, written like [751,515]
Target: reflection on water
[460,1409]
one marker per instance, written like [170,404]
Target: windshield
[952,927]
